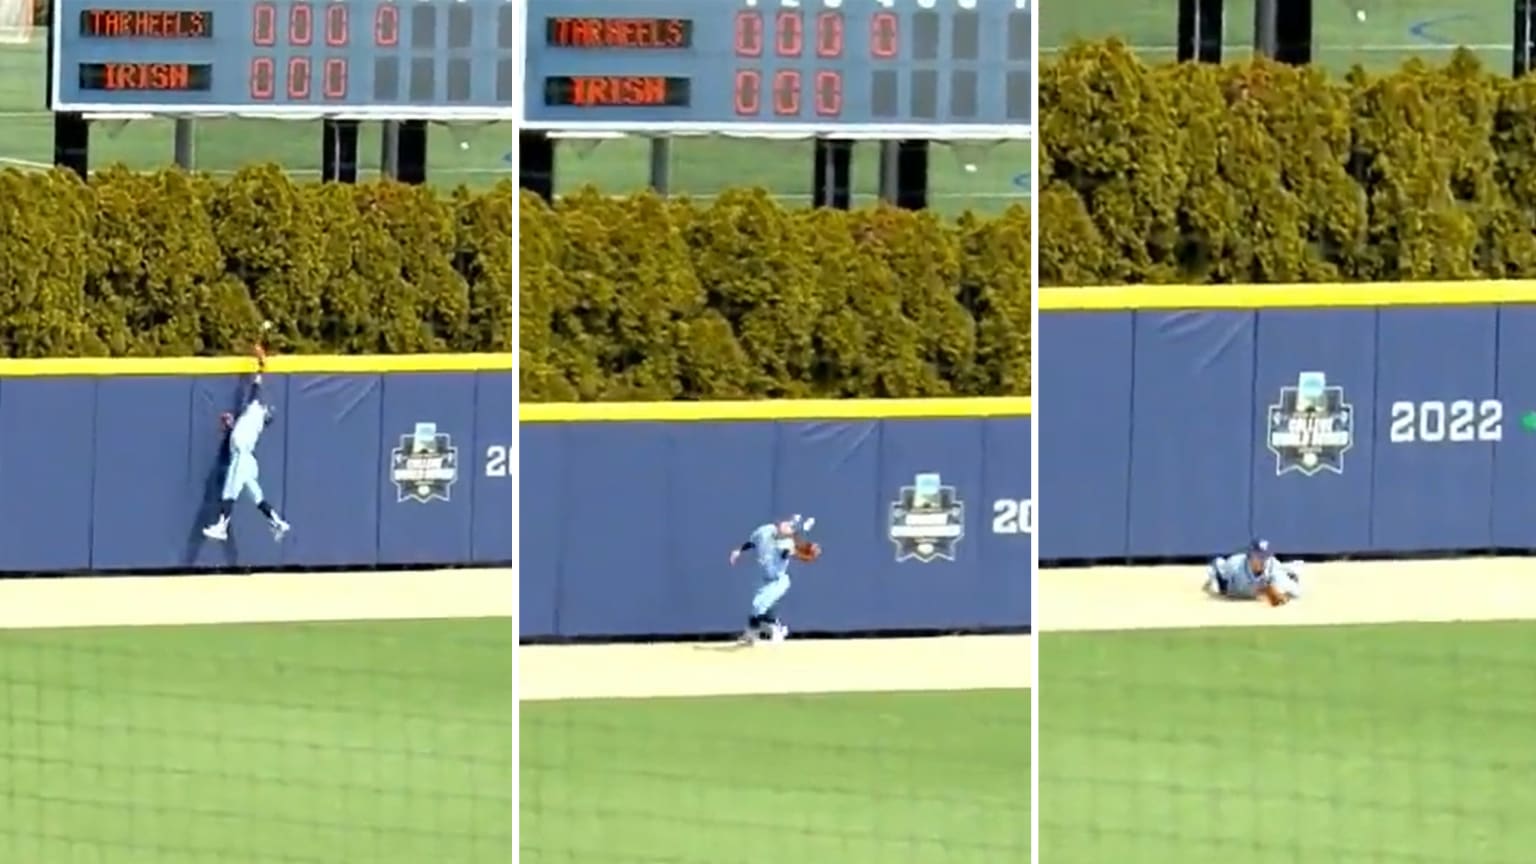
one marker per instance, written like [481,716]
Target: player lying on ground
[1254,574]
[775,544]
[242,434]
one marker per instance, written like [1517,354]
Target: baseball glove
[805,550]
[1273,596]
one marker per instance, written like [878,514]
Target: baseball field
[254,719]
[702,167]
[847,751]
[1386,717]
[1378,35]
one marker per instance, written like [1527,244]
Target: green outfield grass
[1404,743]
[382,742]
[889,778]
[705,166]
[1393,30]
[223,145]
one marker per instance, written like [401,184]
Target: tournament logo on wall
[425,465]
[927,520]
[1311,427]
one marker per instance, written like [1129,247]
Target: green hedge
[172,264]
[1259,172]
[646,298]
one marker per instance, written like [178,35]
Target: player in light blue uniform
[1244,575]
[774,545]
[243,471]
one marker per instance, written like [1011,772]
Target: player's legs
[764,620]
[279,527]
[1215,585]
[241,476]
[774,628]
[236,476]
[219,530]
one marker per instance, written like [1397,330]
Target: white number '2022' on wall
[1013,517]
[1434,421]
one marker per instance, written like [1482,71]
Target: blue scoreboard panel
[792,66]
[399,59]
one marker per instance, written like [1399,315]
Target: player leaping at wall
[775,544]
[242,475]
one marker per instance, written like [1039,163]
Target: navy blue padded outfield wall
[1331,419]
[113,465]
[629,513]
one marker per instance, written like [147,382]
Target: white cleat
[279,528]
[779,633]
[216,531]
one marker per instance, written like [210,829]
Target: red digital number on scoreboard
[293,25]
[884,36]
[784,93]
[789,34]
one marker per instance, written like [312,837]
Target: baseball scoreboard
[959,67]
[421,59]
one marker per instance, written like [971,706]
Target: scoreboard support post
[1525,37]
[832,176]
[184,147]
[912,175]
[412,143]
[889,178]
[389,149]
[1293,30]
[536,163]
[72,142]
[338,157]
[1200,31]
[661,164]
[904,174]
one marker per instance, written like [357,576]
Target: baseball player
[775,544]
[1254,574]
[243,432]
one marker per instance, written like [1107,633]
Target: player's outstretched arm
[1272,595]
[737,552]
[253,392]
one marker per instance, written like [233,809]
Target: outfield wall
[629,514]
[111,472]
[1363,427]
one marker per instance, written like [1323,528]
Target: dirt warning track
[808,666]
[1139,598]
[127,601]
[795,666]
